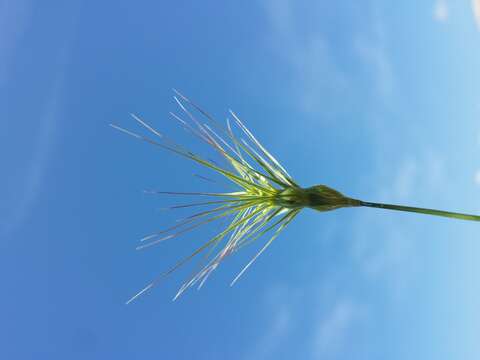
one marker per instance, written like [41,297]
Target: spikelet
[266,198]
[253,207]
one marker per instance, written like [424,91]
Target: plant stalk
[447,214]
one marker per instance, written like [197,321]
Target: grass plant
[265,200]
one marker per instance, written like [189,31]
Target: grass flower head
[265,200]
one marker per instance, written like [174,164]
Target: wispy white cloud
[440,11]
[404,182]
[334,329]
[14,19]
[413,177]
[476,177]
[307,55]
[318,78]
[372,50]
[34,169]
[278,303]
[275,335]
[476,11]
[330,322]
[434,171]
[385,250]
[376,57]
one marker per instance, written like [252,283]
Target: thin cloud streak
[14,19]
[383,259]
[281,323]
[333,330]
[317,77]
[476,11]
[32,180]
[476,177]
[36,167]
[441,12]
[307,55]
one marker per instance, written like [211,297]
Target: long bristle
[251,169]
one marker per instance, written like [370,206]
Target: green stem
[448,214]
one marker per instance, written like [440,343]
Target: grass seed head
[265,197]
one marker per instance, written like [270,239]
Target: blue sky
[378,100]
